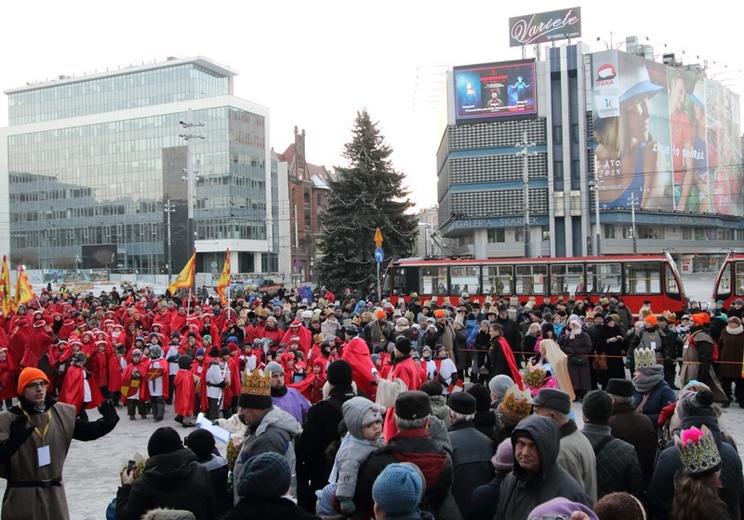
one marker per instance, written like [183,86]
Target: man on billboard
[495,101]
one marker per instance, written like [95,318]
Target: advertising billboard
[665,136]
[545,27]
[495,91]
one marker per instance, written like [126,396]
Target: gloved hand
[18,432]
[666,413]
[108,412]
[347,507]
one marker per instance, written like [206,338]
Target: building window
[496,236]
[609,231]
[557,134]
[519,234]
[686,233]
[649,233]
[546,234]
[558,172]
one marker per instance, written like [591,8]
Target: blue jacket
[661,396]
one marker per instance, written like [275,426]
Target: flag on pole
[224,281]
[6,297]
[185,278]
[24,291]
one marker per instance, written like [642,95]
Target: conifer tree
[367,194]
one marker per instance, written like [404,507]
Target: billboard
[545,27]
[495,91]
[665,136]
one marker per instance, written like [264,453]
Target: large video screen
[495,91]
[665,136]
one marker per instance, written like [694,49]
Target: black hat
[403,345]
[608,319]
[597,407]
[620,387]
[413,405]
[554,399]
[214,352]
[462,403]
[339,373]
[163,440]
[225,351]
[201,442]
[184,362]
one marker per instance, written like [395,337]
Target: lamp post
[169,208]
[525,146]
[190,176]
[633,201]
[594,187]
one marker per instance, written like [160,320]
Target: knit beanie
[28,375]
[696,404]
[201,442]
[597,407]
[266,475]
[324,506]
[482,397]
[339,373]
[500,384]
[403,345]
[184,362]
[164,440]
[273,367]
[398,489]
[503,460]
[561,506]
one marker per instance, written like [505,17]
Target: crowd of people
[345,408]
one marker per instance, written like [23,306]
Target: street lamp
[633,201]
[169,208]
[187,124]
[525,145]
[594,187]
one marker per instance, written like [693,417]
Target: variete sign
[545,27]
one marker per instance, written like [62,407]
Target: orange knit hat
[28,375]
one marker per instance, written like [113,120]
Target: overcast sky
[314,64]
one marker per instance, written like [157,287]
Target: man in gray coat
[536,478]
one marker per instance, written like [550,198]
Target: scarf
[734,330]
[648,382]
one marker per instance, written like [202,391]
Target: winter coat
[292,402]
[618,468]
[661,396]
[440,409]
[321,429]
[275,431]
[485,499]
[577,457]
[471,459]
[661,489]
[417,447]
[38,502]
[521,492]
[267,508]
[174,480]
[579,345]
[636,429]
[731,345]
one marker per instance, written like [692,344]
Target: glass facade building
[92,162]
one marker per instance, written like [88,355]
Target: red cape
[185,393]
[356,353]
[72,389]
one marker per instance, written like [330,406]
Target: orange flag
[6,297]
[185,277]
[224,281]
[24,291]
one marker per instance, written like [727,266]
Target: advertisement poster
[665,136]
[495,91]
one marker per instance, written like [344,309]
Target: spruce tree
[367,194]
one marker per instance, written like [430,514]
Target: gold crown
[257,383]
[645,358]
[699,453]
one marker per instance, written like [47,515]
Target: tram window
[567,278]
[670,283]
[497,279]
[433,280]
[739,276]
[399,280]
[530,279]
[604,278]
[465,278]
[643,278]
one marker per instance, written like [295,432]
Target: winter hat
[651,319]
[440,313]
[503,459]
[325,500]
[696,404]
[28,375]
[200,351]
[413,405]
[375,358]
[265,476]
[561,506]
[184,362]
[554,399]
[201,442]
[620,387]
[162,513]
[273,367]
[482,397]
[462,403]
[597,407]
[339,373]
[163,440]
[398,489]
[206,338]
[701,318]
[155,352]
[403,345]
[225,351]
[619,506]
[499,384]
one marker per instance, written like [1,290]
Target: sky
[315,64]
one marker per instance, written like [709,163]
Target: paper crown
[257,383]
[516,405]
[698,451]
[645,358]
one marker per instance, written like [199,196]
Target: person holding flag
[185,279]
[5,295]
[24,291]
[224,282]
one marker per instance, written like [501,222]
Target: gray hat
[554,399]
[273,367]
[500,384]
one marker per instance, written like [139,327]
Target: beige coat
[38,503]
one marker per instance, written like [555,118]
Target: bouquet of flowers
[536,378]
